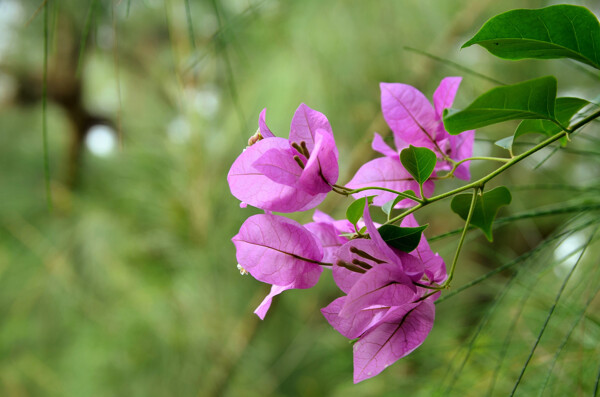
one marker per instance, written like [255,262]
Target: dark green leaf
[387,207]
[561,31]
[532,99]
[419,162]
[403,238]
[565,109]
[486,208]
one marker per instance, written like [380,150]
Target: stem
[482,181]
[456,164]
[336,188]
[434,287]
[462,238]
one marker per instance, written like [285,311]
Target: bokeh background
[127,285]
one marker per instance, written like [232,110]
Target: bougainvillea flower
[287,175]
[383,308]
[279,251]
[414,121]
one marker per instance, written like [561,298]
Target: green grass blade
[45,111]
[517,260]
[566,339]
[84,36]
[455,65]
[550,313]
[553,210]
[220,43]
[482,323]
[189,23]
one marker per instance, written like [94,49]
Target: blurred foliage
[129,286]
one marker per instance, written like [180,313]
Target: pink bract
[278,251]
[383,308]
[398,333]
[268,174]
[414,121]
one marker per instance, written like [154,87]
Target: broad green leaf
[403,238]
[387,207]
[486,208]
[565,109]
[561,31]
[419,162]
[531,99]
[355,210]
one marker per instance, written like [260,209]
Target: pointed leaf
[419,162]
[486,208]
[388,206]
[506,143]
[403,238]
[565,109]
[355,210]
[561,31]
[532,99]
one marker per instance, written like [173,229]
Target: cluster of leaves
[388,272]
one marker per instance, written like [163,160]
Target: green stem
[434,287]
[336,188]
[482,181]
[456,164]
[462,238]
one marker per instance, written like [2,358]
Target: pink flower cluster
[387,306]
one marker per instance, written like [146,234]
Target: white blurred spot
[567,253]
[205,101]
[101,140]
[11,16]
[179,130]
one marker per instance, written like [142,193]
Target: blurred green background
[128,286]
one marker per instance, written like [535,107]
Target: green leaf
[387,207]
[505,143]
[355,210]
[531,99]
[561,31]
[419,162]
[403,238]
[486,208]
[565,109]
